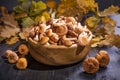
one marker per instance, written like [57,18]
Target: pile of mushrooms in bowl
[59,41]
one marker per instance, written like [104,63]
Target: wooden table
[38,71]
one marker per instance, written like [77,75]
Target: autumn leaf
[25,32]
[7,31]
[111,40]
[10,26]
[12,40]
[37,8]
[110,11]
[92,22]
[108,20]
[23,6]
[26,22]
[8,19]
[69,8]
[87,5]
[109,28]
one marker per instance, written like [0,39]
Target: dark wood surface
[38,71]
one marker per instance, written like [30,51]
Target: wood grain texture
[38,71]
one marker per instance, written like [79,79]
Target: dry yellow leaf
[110,11]
[12,40]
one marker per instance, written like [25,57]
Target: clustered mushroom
[19,59]
[62,31]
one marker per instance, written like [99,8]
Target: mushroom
[70,26]
[60,30]
[71,19]
[32,33]
[91,65]
[103,58]
[23,49]
[42,28]
[7,53]
[36,29]
[78,29]
[72,33]
[50,21]
[85,37]
[49,32]
[13,57]
[67,41]
[54,37]
[36,38]
[44,40]
[22,63]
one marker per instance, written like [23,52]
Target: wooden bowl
[57,55]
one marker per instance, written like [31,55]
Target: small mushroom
[33,41]
[60,30]
[23,49]
[70,26]
[54,37]
[49,32]
[44,40]
[71,19]
[13,57]
[36,38]
[22,63]
[91,65]
[103,58]
[72,33]
[36,29]
[84,38]
[32,33]
[50,21]
[7,53]
[78,29]
[66,41]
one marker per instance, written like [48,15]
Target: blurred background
[9,4]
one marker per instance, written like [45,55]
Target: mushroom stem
[36,38]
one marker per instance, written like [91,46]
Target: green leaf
[23,6]
[37,8]
[27,22]
[92,22]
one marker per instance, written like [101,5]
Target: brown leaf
[111,40]
[108,20]
[12,40]
[110,11]
[8,19]
[109,28]
[7,31]
[25,32]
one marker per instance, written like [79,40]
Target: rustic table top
[38,71]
